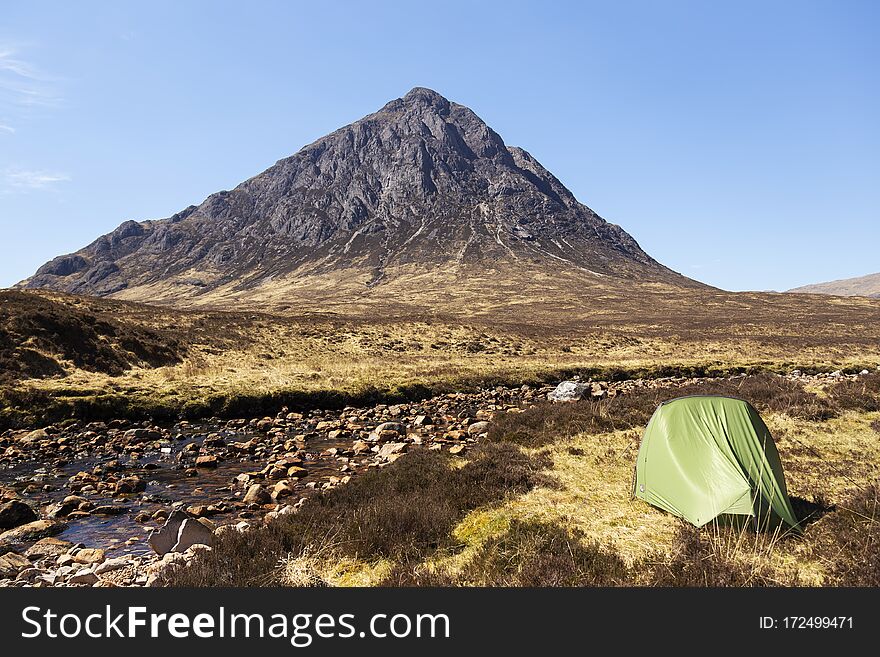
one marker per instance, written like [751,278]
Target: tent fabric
[703,457]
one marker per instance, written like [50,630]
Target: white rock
[568,391]
[113,564]
[84,576]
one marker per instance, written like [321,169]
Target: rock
[281,490]
[248,446]
[206,461]
[297,472]
[568,391]
[360,446]
[109,510]
[11,564]
[28,574]
[864,372]
[192,532]
[89,556]
[137,436]
[15,513]
[64,560]
[84,576]
[256,494]
[31,531]
[422,420]
[396,427]
[34,436]
[113,564]
[48,547]
[66,506]
[388,449]
[162,540]
[456,449]
[478,428]
[128,485]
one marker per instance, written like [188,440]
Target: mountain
[862,286]
[419,198]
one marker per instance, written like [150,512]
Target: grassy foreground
[545,501]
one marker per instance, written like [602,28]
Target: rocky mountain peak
[421,185]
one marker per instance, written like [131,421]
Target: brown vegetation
[548,422]
[403,511]
[557,511]
[68,356]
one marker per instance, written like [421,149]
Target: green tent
[703,458]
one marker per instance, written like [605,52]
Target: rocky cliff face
[422,185]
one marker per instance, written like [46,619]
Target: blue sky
[738,142]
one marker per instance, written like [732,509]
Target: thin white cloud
[23,87]
[9,63]
[25,180]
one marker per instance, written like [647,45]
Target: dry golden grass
[589,494]
[418,339]
[822,460]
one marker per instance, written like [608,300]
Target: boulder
[360,446]
[109,510]
[64,507]
[388,449]
[162,540]
[192,532]
[84,576]
[137,436]
[206,461]
[113,564]
[34,436]
[477,428]
[297,472]
[48,547]
[281,490]
[11,564]
[128,485]
[396,427]
[569,391]
[256,494]
[31,531]
[89,556]
[15,513]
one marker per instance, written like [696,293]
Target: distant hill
[863,286]
[420,202]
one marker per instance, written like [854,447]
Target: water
[167,482]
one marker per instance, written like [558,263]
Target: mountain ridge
[858,286]
[422,187]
